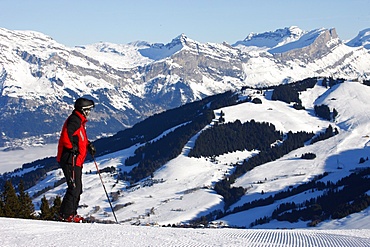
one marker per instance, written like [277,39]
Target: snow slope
[342,151]
[17,232]
[182,189]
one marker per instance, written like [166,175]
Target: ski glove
[74,150]
[91,149]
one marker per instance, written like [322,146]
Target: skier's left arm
[91,148]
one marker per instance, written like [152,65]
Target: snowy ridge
[272,39]
[305,40]
[362,39]
[161,51]
[117,56]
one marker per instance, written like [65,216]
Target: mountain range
[265,133]
[40,78]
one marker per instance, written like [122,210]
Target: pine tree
[56,206]
[27,208]
[335,113]
[1,206]
[11,203]
[322,111]
[46,213]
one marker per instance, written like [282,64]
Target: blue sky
[81,22]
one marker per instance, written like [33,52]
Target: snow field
[33,233]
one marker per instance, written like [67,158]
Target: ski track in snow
[20,232]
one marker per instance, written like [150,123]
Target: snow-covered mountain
[362,39]
[183,188]
[272,39]
[40,79]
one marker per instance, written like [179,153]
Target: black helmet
[84,105]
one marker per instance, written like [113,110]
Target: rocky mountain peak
[310,48]
[362,39]
[273,38]
[182,38]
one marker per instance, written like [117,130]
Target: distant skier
[72,150]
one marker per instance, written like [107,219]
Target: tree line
[231,194]
[155,125]
[155,154]
[290,92]
[29,179]
[236,136]
[349,194]
[187,120]
[20,205]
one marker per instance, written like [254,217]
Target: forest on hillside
[215,139]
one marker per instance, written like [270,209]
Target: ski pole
[97,168]
[73,173]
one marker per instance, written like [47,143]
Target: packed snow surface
[32,233]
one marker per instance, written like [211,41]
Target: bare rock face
[317,48]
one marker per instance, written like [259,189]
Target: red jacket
[73,135]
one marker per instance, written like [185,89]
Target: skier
[72,150]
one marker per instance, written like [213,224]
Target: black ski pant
[73,175]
